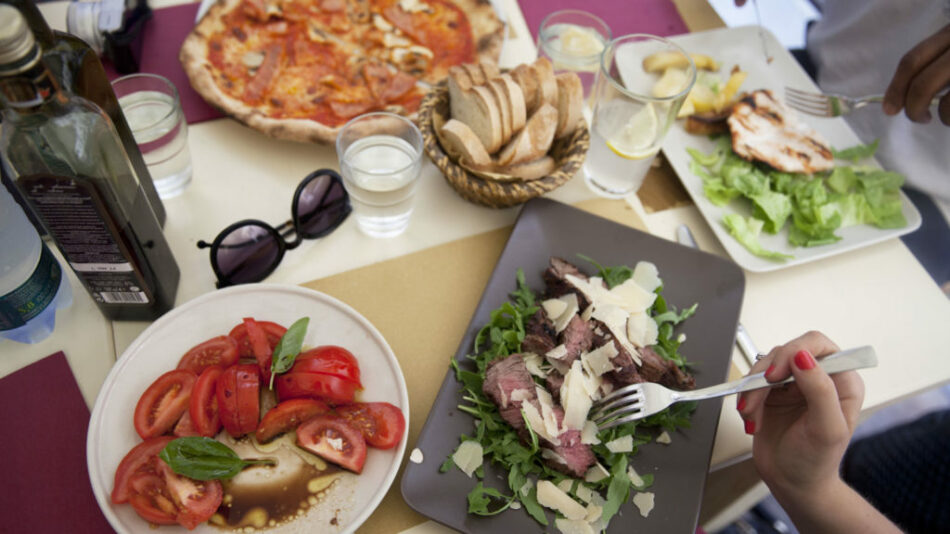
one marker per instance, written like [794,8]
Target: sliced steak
[577,456]
[502,378]
[658,369]
[577,338]
[540,336]
[555,281]
[553,383]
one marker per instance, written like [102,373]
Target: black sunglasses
[249,250]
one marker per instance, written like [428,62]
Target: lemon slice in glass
[580,42]
[637,137]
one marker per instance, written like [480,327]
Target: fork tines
[812,103]
[621,406]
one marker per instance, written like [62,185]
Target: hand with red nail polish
[801,432]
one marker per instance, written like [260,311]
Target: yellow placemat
[422,303]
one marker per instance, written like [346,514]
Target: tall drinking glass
[630,117]
[573,40]
[152,108]
[380,159]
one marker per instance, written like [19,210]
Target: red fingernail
[749,426]
[741,404]
[804,360]
[769,370]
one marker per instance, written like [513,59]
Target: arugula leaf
[618,491]
[613,276]
[287,349]
[481,497]
[857,152]
[204,458]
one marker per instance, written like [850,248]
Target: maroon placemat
[46,486]
[161,39]
[658,17]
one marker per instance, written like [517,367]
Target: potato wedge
[661,61]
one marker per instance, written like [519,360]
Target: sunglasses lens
[248,254]
[322,205]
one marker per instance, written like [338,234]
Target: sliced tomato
[273,332]
[221,351]
[151,500]
[163,402]
[381,423]
[203,408]
[238,394]
[141,459]
[185,427]
[329,360]
[263,351]
[330,389]
[333,439]
[195,500]
[287,416]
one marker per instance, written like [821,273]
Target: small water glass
[380,158]
[152,108]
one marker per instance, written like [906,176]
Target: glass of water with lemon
[632,110]
[573,40]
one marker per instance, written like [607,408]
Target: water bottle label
[33,296]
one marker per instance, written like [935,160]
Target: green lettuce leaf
[747,231]
[857,152]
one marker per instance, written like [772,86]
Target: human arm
[801,432]
[922,73]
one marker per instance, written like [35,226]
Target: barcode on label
[117,297]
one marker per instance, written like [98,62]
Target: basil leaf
[203,458]
[288,348]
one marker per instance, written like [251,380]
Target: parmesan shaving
[634,477]
[558,352]
[598,360]
[533,363]
[468,457]
[416,456]
[664,438]
[536,422]
[554,308]
[622,444]
[547,413]
[644,502]
[575,398]
[596,473]
[584,493]
[520,395]
[589,434]
[573,526]
[647,276]
[550,496]
[565,485]
[570,300]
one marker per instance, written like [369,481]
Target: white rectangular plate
[741,46]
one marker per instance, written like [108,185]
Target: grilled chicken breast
[763,129]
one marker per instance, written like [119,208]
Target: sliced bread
[459,82]
[527,81]
[530,170]
[500,93]
[547,83]
[489,69]
[475,73]
[519,113]
[477,109]
[570,103]
[534,140]
[463,143]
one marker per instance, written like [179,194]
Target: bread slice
[463,143]
[534,140]
[459,83]
[477,109]
[519,114]
[489,69]
[570,103]
[527,81]
[547,83]
[498,90]
[475,73]
[530,170]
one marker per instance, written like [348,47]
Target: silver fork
[637,401]
[832,105]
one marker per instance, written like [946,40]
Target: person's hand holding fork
[801,431]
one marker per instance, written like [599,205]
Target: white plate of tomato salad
[330,406]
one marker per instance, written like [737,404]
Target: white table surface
[879,295]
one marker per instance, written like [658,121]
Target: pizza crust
[487,32]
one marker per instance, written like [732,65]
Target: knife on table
[746,346]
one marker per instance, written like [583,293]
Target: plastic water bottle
[32,284]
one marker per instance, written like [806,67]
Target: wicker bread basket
[568,154]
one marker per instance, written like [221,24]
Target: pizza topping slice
[254,91]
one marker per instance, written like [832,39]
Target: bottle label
[88,237]
[33,296]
